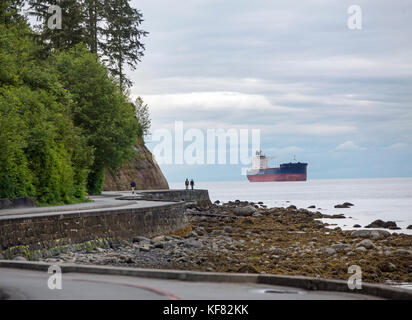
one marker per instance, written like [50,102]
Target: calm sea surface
[386,199]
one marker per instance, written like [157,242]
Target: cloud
[289,68]
[398,145]
[349,145]
[285,150]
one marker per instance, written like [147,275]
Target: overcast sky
[336,98]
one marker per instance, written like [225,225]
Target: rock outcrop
[141,168]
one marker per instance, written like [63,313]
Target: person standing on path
[187,184]
[133,185]
[192,183]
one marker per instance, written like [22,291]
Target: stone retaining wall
[170,195]
[6,203]
[35,230]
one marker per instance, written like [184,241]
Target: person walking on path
[187,184]
[192,183]
[133,185]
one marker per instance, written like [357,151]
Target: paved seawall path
[111,215]
[151,213]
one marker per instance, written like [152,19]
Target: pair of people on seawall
[192,183]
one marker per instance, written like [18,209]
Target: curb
[377,290]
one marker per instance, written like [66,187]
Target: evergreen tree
[73,26]
[122,44]
[10,11]
[143,116]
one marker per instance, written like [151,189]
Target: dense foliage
[63,118]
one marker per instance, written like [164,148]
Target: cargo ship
[260,171]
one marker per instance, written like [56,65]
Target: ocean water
[385,199]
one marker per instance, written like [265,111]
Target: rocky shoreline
[251,238]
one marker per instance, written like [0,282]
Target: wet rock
[312,207]
[291,207]
[216,232]
[191,234]
[333,216]
[144,247]
[387,267]
[217,202]
[278,251]
[140,239]
[191,243]
[382,224]
[357,226]
[370,234]
[367,244]
[329,251]
[409,227]
[228,229]
[244,211]
[390,225]
[340,246]
[343,205]
[200,231]
[403,251]
[159,239]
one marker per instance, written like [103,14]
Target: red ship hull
[277,177]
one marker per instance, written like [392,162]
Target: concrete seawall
[169,195]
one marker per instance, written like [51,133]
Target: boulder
[312,207]
[216,232]
[244,211]
[370,234]
[409,227]
[159,239]
[387,267]
[200,231]
[140,240]
[348,204]
[343,205]
[228,229]
[329,251]
[382,224]
[340,246]
[403,251]
[278,251]
[367,244]
[357,226]
[191,243]
[291,207]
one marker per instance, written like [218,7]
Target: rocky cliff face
[142,169]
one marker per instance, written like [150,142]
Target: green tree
[143,116]
[102,112]
[121,44]
[42,153]
[73,28]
